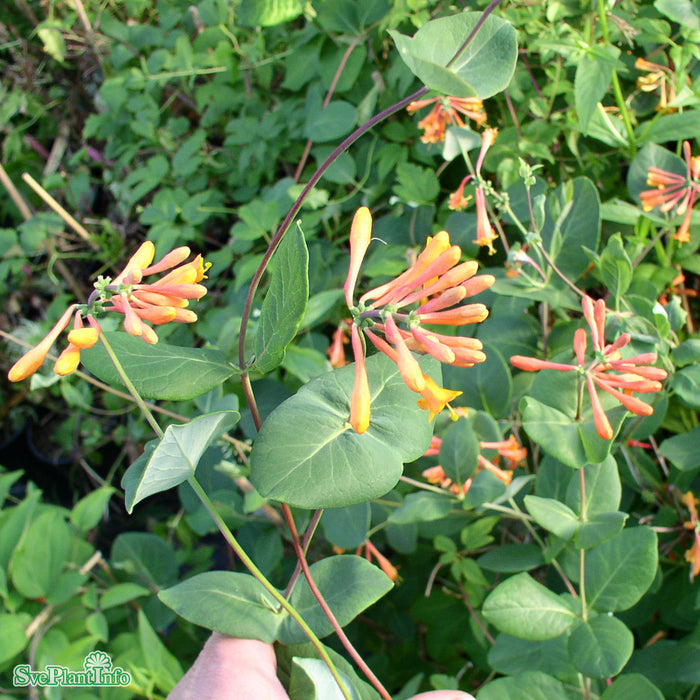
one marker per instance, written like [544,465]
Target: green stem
[130,386]
[224,529]
[582,552]
[250,565]
[617,90]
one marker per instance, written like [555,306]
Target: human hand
[245,669]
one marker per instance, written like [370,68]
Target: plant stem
[617,90]
[130,386]
[301,557]
[582,552]
[250,565]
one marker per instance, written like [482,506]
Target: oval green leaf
[307,454]
[523,608]
[599,648]
[175,456]
[285,302]
[159,371]
[483,69]
[349,585]
[228,602]
[619,571]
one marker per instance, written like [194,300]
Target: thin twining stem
[301,557]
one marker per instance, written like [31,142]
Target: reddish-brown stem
[301,556]
[329,94]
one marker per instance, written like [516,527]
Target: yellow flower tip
[28,364]
[435,397]
[67,361]
[32,360]
[360,237]
[83,338]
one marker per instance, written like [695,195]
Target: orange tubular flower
[336,350]
[673,191]
[692,556]
[436,282]
[485,234]
[635,374]
[361,398]
[509,449]
[159,302]
[446,111]
[30,362]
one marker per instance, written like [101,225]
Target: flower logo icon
[97,659]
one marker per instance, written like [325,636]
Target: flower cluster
[674,191]
[658,77]
[619,377]
[158,302]
[435,284]
[445,111]
[510,450]
[692,556]
[485,235]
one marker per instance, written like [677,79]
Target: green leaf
[88,511]
[631,686]
[40,556]
[483,69]
[530,685]
[685,12]
[554,516]
[121,593]
[526,609]
[285,301]
[350,16]
[332,123]
[164,667]
[14,639]
[308,455]
[175,457]
[512,558]
[555,432]
[615,266]
[487,386]
[347,527]
[287,656]
[669,662]
[349,585]
[513,656]
[159,371]
[686,384]
[619,571]
[459,451]
[593,74]
[421,507]
[572,224]
[600,647]
[598,528]
[686,353]
[682,449]
[228,602]
[674,127]
[267,13]
[145,556]
[602,488]
[311,678]
[416,186]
